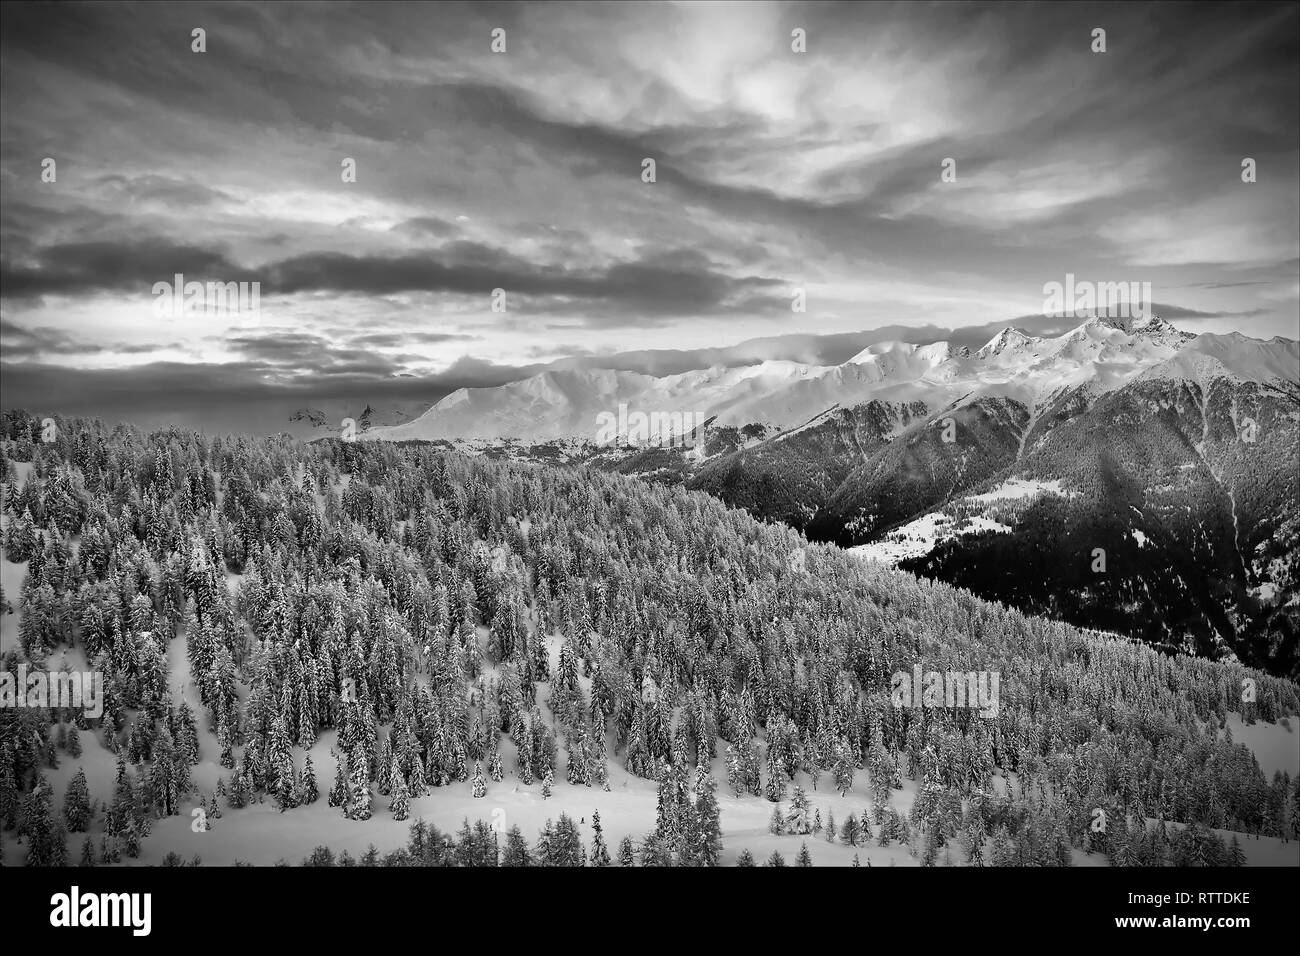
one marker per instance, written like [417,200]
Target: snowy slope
[1235,356]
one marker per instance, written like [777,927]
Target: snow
[565,403]
[922,535]
[1235,356]
[1275,747]
[1017,488]
[1266,592]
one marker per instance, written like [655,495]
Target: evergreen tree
[310,792]
[626,852]
[516,852]
[401,802]
[76,803]
[1236,855]
[797,820]
[599,852]
[339,795]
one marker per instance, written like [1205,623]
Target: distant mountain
[1010,470]
[311,422]
[567,404]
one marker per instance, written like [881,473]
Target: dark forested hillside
[1189,491]
[790,477]
[403,597]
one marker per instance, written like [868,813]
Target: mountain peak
[1009,339]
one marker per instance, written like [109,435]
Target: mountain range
[1124,475]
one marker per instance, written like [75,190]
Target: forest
[408,598]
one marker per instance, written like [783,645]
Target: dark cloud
[132,265]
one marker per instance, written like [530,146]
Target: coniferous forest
[367,634]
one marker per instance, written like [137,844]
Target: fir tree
[626,852]
[76,803]
[310,792]
[599,852]
[516,852]
[401,802]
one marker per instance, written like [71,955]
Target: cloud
[775,171]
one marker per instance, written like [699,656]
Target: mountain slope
[1007,470]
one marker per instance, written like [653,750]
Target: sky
[776,170]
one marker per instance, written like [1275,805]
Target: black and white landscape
[646,434]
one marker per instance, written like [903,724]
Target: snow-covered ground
[919,537]
[1275,746]
[1020,488]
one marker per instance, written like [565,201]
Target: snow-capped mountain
[1001,469]
[780,395]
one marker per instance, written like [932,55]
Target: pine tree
[830,826]
[280,760]
[359,807]
[76,803]
[776,859]
[776,824]
[339,792]
[401,802]
[703,846]
[1001,853]
[310,791]
[626,852]
[797,820]
[46,840]
[515,851]
[547,782]
[804,858]
[479,784]
[1236,855]
[930,855]
[495,770]
[973,845]
[599,852]
[745,859]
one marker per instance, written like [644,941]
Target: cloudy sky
[775,170]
